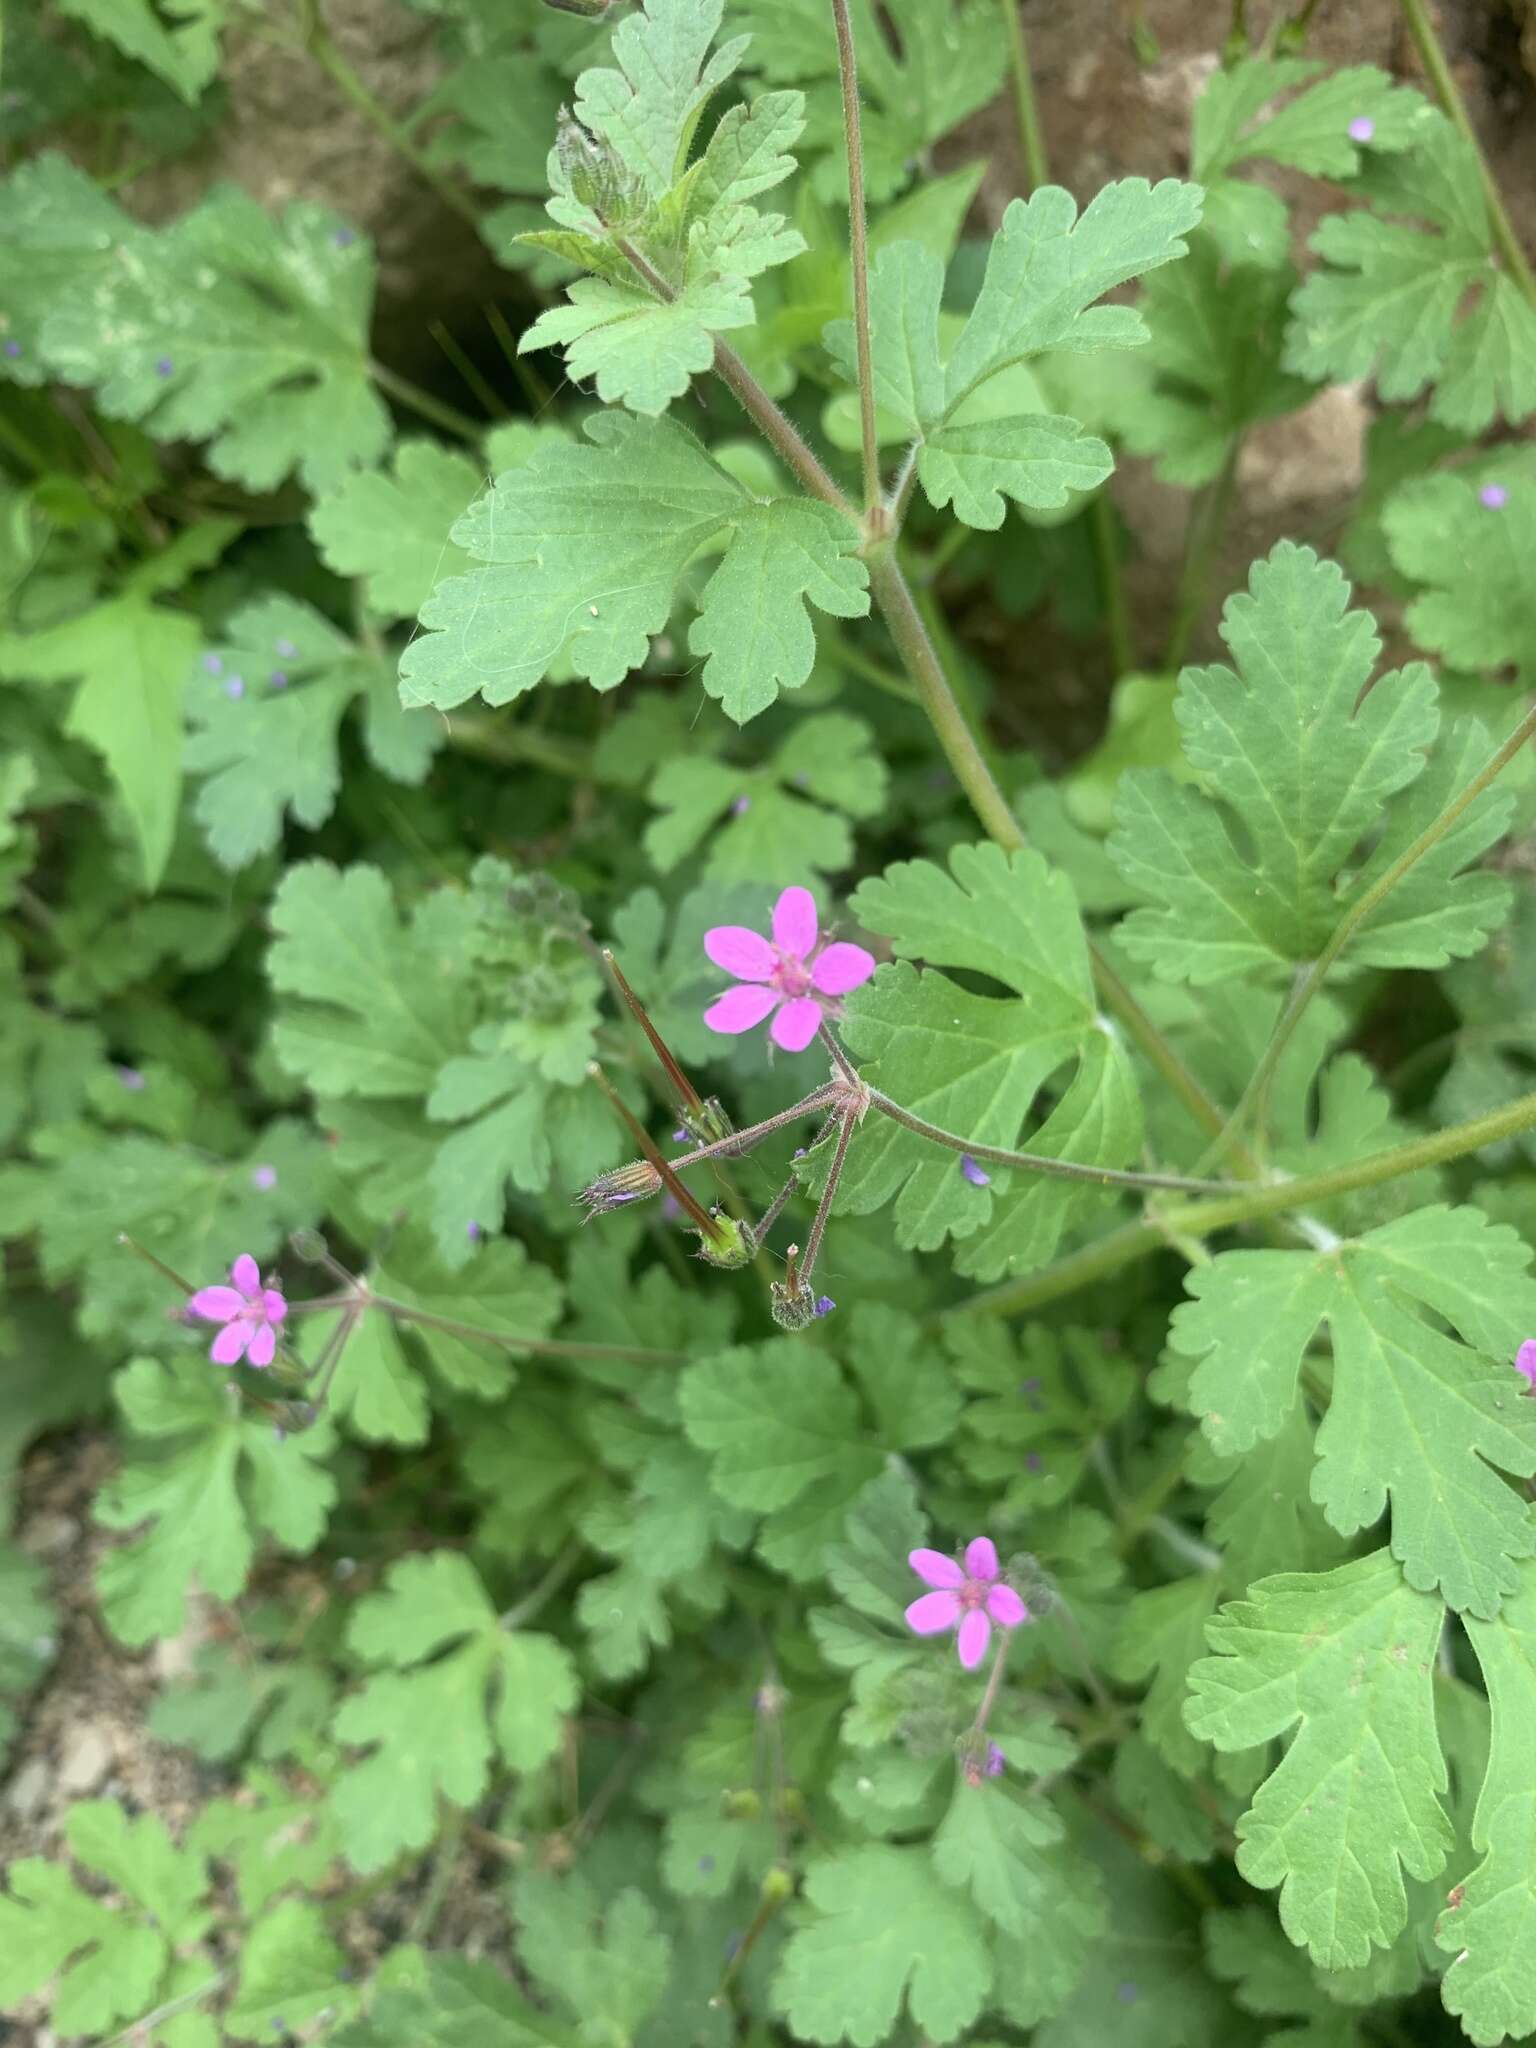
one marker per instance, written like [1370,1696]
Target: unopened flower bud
[778,1885]
[634,1183]
[592,171]
[742,1804]
[307,1245]
[708,1123]
[727,1244]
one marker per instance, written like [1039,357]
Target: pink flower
[792,978]
[249,1312]
[971,1598]
[1525,1363]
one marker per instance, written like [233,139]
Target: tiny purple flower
[278,680]
[264,1178]
[13,349]
[824,1305]
[249,1312]
[131,1079]
[996,1762]
[235,687]
[285,650]
[1033,1462]
[976,1175]
[164,366]
[343,238]
[968,1598]
[1127,1992]
[740,806]
[1494,497]
[797,978]
[1362,128]
[1525,1363]
[213,664]
[472,1231]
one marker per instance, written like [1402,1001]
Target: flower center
[974,1593]
[791,977]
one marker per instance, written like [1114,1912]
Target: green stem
[1198,1219]
[317,41]
[890,590]
[848,1123]
[522,746]
[1037,1162]
[405,393]
[1255,1094]
[524,1610]
[770,420]
[860,664]
[1201,543]
[776,426]
[1432,57]
[858,242]
[1026,108]
[1106,548]
[536,1347]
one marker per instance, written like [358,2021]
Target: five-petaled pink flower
[970,1596]
[792,977]
[249,1312]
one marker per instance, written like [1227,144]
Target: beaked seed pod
[589,10]
[616,1190]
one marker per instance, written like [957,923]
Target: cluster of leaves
[542,1581]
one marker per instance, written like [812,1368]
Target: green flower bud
[743,1804]
[778,1885]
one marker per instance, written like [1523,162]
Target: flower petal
[216,1304]
[796,1024]
[975,1634]
[1006,1608]
[981,1558]
[746,954]
[246,1275]
[228,1348]
[273,1306]
[740,1008]
[263,1345]
[794,922]
[1525,1362]
[933,1613]
[840,968]
[935,1569]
